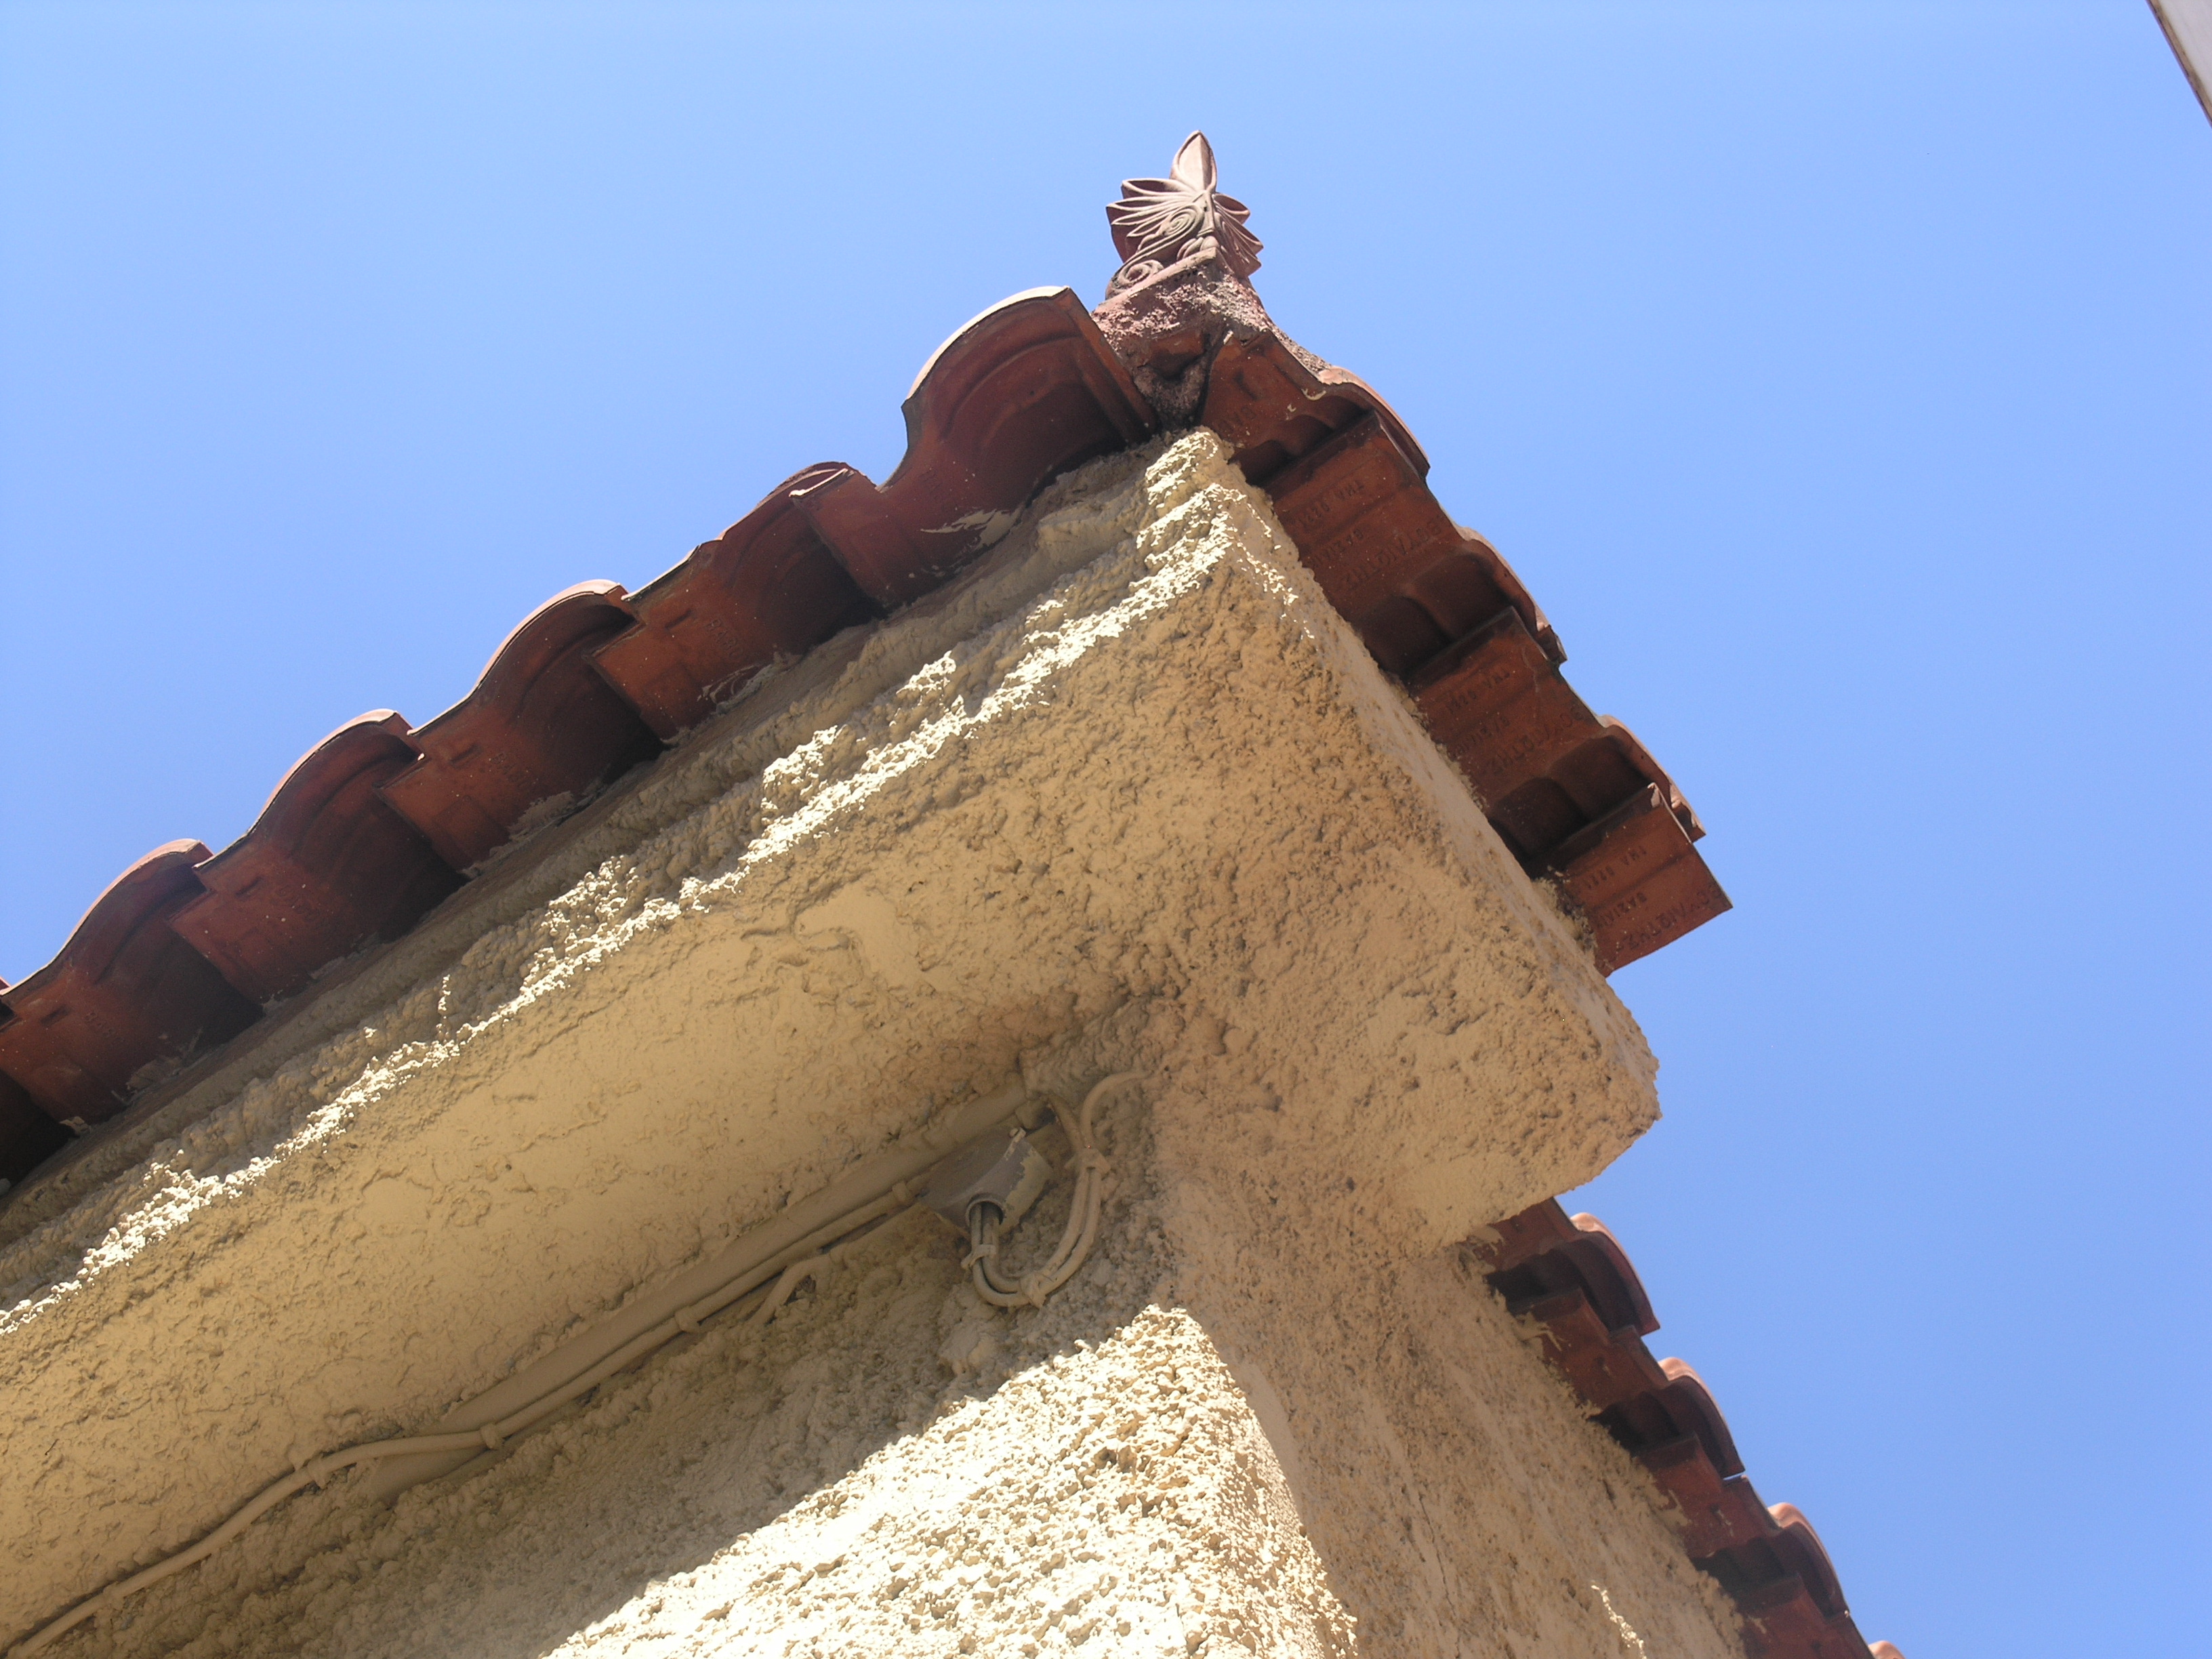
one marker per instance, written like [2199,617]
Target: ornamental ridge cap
[1183,218]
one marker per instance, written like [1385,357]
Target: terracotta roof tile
[541,726]
[126,997]
[381,821]
[1022,393]
[768,587]
[1634,874]
[1571,1276]
[326,867]
[1438,606]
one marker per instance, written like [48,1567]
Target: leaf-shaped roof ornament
[1180,219]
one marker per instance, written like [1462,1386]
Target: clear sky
[1839,376]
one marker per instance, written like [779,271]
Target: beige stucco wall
[1128,796]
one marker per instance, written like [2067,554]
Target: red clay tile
[1783,1582]
[1808,1558]
[1024,392]
[1625,743]
[369,831]
[1713,1509]
[1272,409]
[1385,554]
[1690,1403]
[767,588]
[1520,1239]
[542,725]
[1636,878]
[1589,782]
[1611,1277]
[1606,1365]
[326,867]
[1771,1562]
[1357,508]
[125,996]
[1473,583]
[1439,606]
[1435,604]
[1498,706]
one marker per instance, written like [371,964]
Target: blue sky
[1839,376]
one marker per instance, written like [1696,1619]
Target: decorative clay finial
[1178,220]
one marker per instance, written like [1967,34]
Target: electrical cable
[807,1258]
[491,1437]
[1085,1205]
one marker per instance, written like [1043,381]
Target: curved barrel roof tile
[541,726]
[768,587]
[1693,1410]
[125,1000]
[327,866]
[381,821]
[1024,391]
[1770,1560]
[1611,1276]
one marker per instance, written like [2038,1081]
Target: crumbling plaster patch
[1133,763]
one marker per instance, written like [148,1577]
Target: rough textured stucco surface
[1129,794]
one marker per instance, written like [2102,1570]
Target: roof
[383,821]
[1571,1277]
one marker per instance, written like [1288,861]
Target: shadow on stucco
[626,1498]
